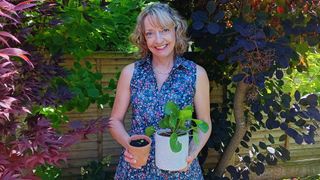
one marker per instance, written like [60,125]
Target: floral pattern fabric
[147,103]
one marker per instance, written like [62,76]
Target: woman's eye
[166,30]
[149,34]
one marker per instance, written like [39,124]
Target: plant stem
[241,128]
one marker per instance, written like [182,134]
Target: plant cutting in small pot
[139,146]
[172,140]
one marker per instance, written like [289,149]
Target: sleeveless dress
[147,103]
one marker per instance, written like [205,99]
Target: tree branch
[241,128]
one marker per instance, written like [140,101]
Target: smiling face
[160,39]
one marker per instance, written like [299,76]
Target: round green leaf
[185,114]
[164,123]
[175,145]
[171,108]
[203,126]
[93,92]
[149,131]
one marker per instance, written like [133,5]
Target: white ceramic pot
[165,158]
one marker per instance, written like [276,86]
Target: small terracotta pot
[141,154]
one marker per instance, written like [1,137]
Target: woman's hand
[130,159]
[189,160]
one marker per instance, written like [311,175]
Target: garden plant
[35,95]
[248,47]
[175,124]
[172,137]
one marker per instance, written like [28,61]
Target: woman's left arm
[202,108]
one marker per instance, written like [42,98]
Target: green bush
[48,172]
[96,170]
[82,28]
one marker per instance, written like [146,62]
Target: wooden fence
[305,158]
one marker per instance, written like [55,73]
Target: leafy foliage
[9,17]
[96,170]
[305,77]
[28,103]
[79,28]
[176,120]
[260,43]
[48,172]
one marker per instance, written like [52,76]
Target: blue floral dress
[147,104]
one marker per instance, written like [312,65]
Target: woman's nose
[159,37]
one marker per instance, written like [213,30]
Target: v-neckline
[176,64]
[159,89]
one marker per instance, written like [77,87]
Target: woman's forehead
[152,21]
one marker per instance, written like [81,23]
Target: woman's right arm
[120,107]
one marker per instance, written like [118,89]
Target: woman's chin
[162,54]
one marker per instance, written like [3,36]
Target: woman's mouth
[161,47]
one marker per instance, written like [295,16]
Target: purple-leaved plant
[28,139]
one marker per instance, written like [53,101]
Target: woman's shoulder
[191,63]
[128,70]
[200,70]
[186,63]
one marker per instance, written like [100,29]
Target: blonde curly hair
[163,16]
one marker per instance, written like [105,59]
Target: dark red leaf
[4,41]
[5,56]
[6,5]
[69,140]
[13,51]
[5,64]
[8,16]
[6,34]
[16,52]
[27,2]
[9,175]
[7,102]
[21,6]
[34,160]
[24,109]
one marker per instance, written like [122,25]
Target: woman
[161,76]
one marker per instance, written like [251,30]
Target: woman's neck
[162,63]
